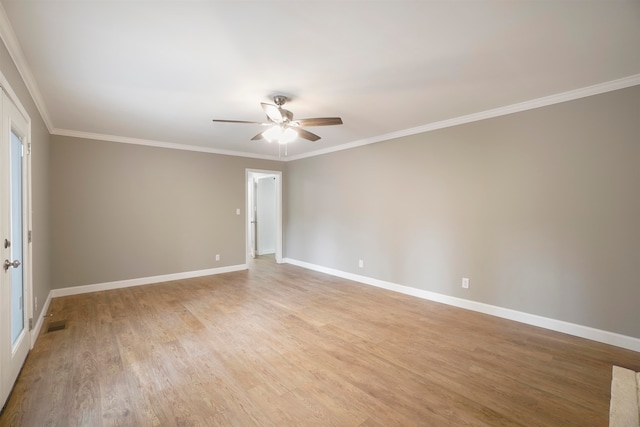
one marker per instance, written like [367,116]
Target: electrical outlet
[217,257]
[465,282]
[361,263]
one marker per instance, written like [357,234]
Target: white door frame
[249,174]
[15,118]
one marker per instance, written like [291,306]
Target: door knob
[14,264]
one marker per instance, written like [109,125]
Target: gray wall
[40,182]
[539,209]
[124,211]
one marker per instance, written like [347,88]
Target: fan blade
[319,121]
[272,112]
[238,121]
[307,135]
[257,137]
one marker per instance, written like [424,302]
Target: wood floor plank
[278,345]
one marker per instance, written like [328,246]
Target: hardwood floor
[279,345]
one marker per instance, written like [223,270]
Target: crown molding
[474,117]
[10,40]
[488,114]
[15,51]
[159,144]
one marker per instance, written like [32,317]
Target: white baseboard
[587,332]
[35,332]
[75,290]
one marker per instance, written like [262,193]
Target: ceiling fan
[282,127]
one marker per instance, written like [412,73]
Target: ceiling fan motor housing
[279,100]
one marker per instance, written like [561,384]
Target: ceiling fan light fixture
[280,134]
[289,135]
[272,134]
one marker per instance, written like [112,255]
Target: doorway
[15,275]
[264,214]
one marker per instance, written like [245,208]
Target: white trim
[76,290]
[488,114]
[266,252]
[587,332]
[4,85]
[158,144]
[35,333]
[10,40]
[27,231]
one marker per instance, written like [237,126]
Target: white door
[14,296]
[253,221]
[266,215]
[253,217]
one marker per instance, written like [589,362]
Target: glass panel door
[17,284]
[15,290]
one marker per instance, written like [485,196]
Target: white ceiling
[159,71]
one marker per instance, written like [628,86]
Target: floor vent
[57,325]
